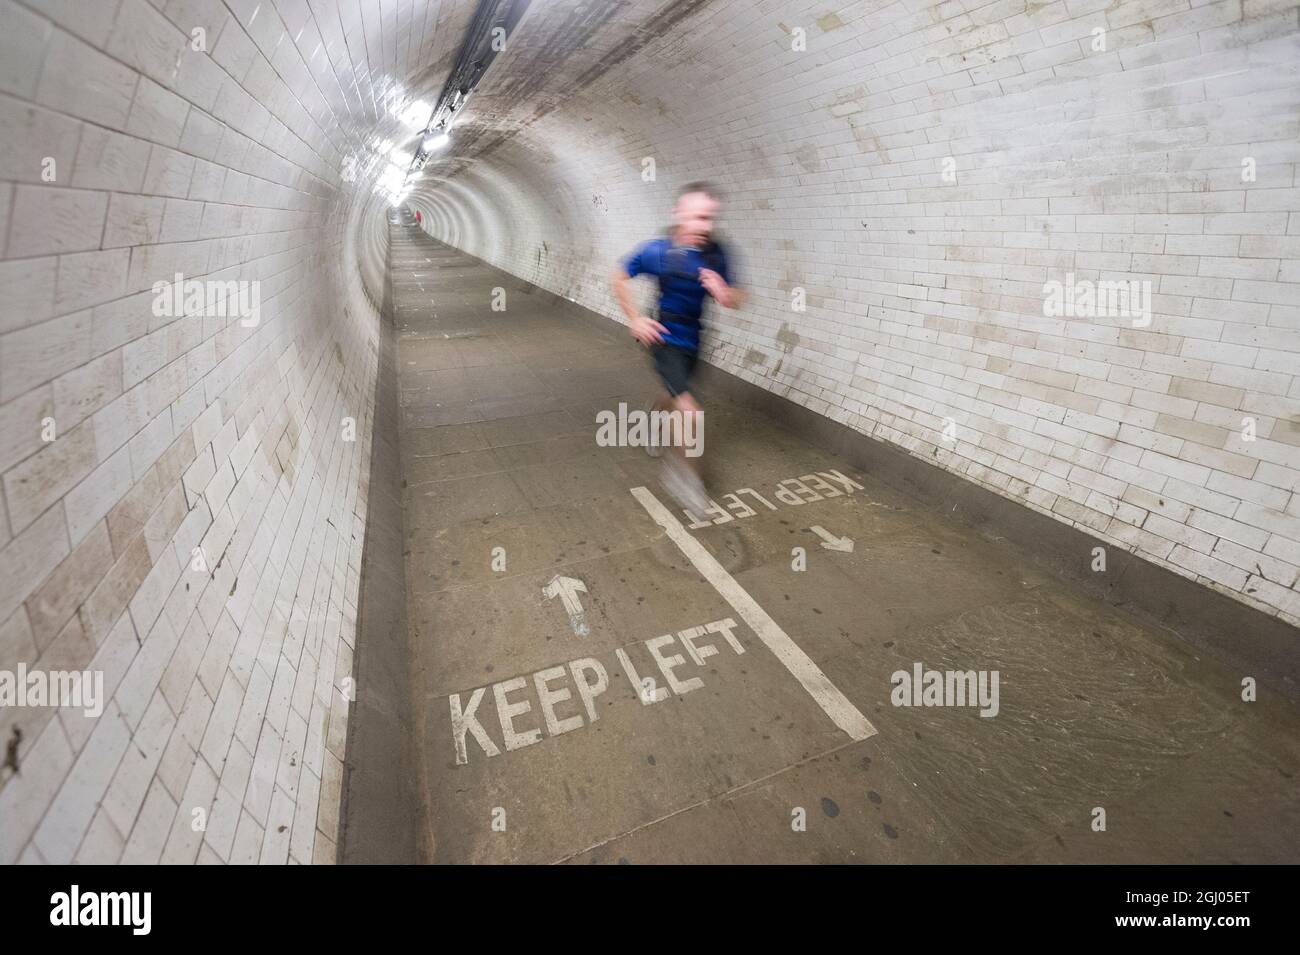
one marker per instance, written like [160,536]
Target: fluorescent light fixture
[436,141]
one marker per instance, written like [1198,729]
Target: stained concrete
[1099,707]
[380,816]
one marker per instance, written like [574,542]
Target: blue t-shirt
[681,294]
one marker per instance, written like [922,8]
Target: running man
[689,265]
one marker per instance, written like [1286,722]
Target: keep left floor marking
[589,677]
[835,704]
[567,589]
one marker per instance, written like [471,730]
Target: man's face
[693,216]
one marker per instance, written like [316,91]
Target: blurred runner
[689,264]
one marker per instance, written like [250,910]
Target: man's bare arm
[622,283]
[728,296]
[643,328]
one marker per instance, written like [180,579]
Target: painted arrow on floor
[831,542]
[567,589]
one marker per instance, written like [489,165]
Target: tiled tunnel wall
[136,148]
[1167,156]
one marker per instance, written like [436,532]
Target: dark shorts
[674,365]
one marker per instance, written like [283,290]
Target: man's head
[694,213]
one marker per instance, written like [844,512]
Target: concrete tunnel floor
[1096,708]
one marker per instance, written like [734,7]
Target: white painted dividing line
[837,706]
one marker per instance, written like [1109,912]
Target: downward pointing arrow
[830,542]
[567,589]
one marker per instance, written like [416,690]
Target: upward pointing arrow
[831,542]
[567,589]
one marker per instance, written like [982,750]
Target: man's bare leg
[682,475]
[686,406]
[661,433]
